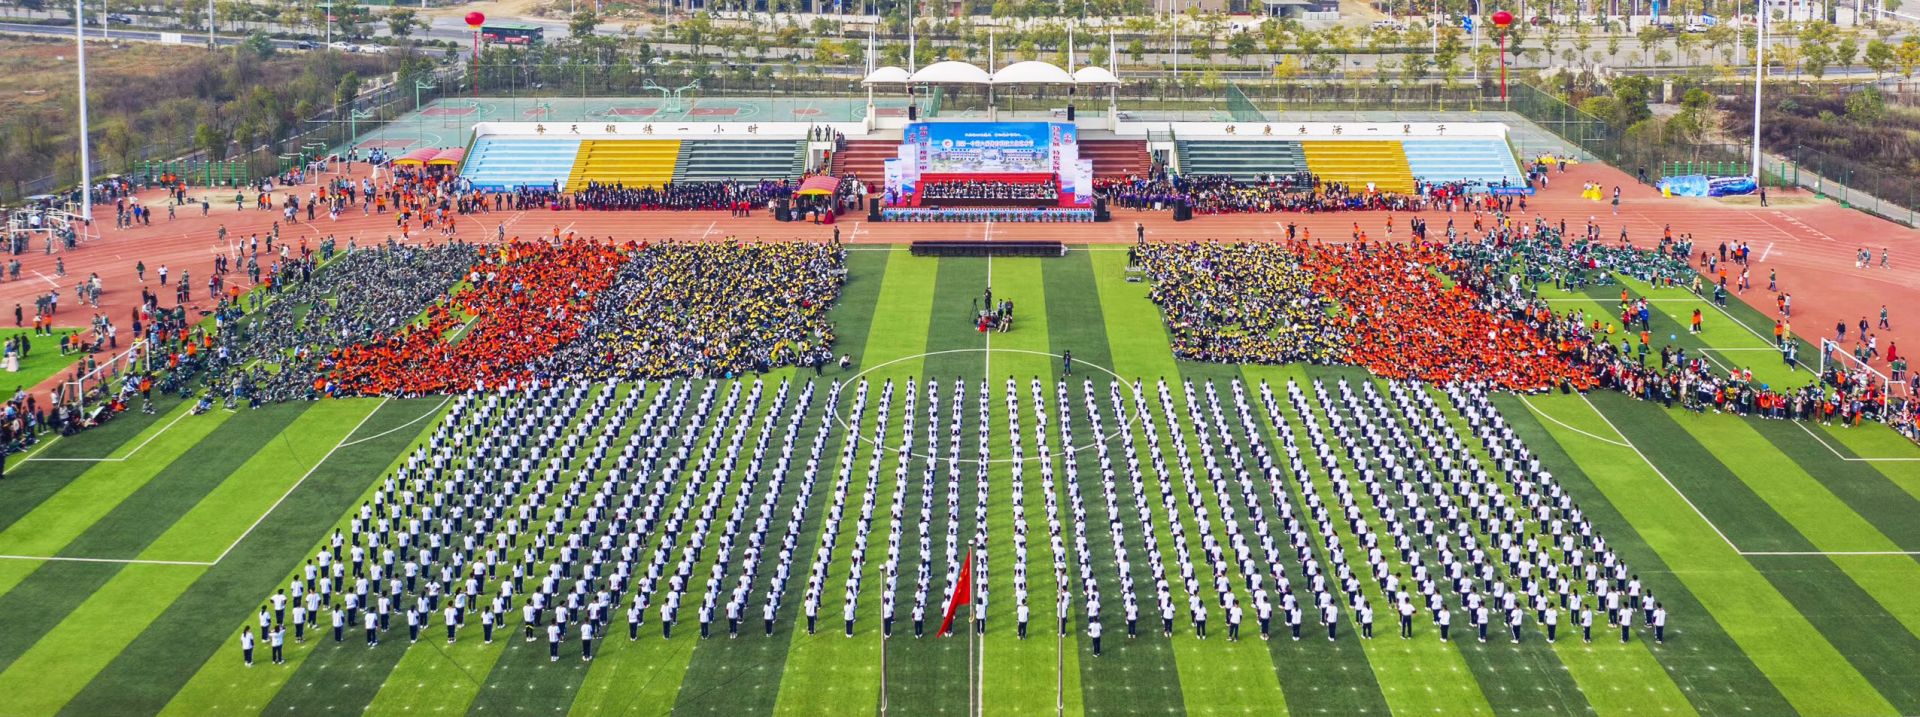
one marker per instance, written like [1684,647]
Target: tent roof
[1094,76]
[951,73]
[1033,72]
[451,155]
[418,156]
[888,75]
[820,184]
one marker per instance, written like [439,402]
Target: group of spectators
[711,310]
[544,311]
[739,197]
[1381,306]
[520,301]
[977,189]
[1223,194]
[1240,303]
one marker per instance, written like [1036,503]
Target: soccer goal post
[1836,357]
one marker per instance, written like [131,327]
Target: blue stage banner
[984,147]
[1511,191]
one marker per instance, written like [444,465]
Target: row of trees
[222,102]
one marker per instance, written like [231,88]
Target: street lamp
[1501,20]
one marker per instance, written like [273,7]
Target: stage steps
[513,162]
[1358,162]
[866,159]
[739,160]
[629,162]
[1117,157]
[1243,160]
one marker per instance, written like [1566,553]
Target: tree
[582,24]
[348,89]
[206,137]
[401,22]
[1240,45]
[1137,50]
[1649,36]
[1866,106]
[1879,58]
[1907,56]
[260,45]
[118,142]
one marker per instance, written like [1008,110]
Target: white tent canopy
[1094,76]
[951,73]
[1032,72]
[888,75]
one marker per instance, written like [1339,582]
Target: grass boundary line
[121,459]
[1860,459]
[382,434]
[1663,476]
[1555,421]
[303,479]
[1716,528]
[128,561]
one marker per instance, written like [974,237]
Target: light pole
[86,159]
[1759,73]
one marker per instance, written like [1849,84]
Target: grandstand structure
[1388,157]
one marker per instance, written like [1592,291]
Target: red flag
[962,594]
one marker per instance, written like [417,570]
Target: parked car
[119,19]
[1696,27]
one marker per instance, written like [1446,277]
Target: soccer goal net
[1835,357]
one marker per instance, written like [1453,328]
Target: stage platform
[953,247]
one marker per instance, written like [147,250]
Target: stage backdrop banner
[986,147]
[909,169]
[1083,183]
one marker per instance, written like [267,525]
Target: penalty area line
[303,479]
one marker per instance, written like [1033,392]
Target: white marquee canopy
[1030,72]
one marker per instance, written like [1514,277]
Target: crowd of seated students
[682,196]
[975,189]
[1222,194]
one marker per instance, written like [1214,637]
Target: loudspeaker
[1100,210]
[913,113]
[782,211]
[1069,113]
[873,209]
[1182,212]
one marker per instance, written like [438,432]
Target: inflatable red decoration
[476,19]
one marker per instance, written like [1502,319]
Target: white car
[374,49]
[344,46]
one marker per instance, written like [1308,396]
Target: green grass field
[131,556]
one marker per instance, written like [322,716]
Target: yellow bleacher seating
[634,163]
[1358,162]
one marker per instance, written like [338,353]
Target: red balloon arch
[476,19]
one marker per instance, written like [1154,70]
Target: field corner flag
[962,594]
